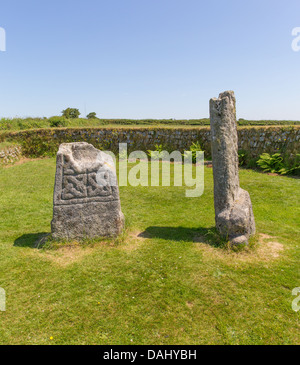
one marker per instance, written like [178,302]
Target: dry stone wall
[254,140]
[10,155]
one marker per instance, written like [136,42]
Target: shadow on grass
[209,235]
[32,240]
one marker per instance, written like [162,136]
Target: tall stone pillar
[233,209]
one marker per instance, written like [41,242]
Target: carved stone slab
[86,200]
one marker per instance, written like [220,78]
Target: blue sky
[149,58]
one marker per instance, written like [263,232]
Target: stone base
[87,220]
[237,222]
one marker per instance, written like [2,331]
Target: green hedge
[17,124]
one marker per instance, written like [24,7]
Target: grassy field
[168,280]
[16,124]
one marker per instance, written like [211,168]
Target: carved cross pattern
[94,189]
[74,186]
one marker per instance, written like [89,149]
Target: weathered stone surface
[86,195]
[10,155]
[233,208]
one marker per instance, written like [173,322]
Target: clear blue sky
[149,58]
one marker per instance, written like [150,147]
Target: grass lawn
[167,281]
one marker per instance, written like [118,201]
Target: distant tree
[71,113]
[91,115]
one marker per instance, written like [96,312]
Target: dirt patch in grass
[66,255]
[190,305]
[134,240]
[267,248]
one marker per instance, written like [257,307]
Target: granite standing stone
[86,195]
[233,208]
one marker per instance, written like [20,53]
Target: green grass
[173,284]
[15,124]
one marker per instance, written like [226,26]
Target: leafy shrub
[23,123]
[58,122]
[158,153]
[275,164]
[294,166]
[194,147]
[243,156]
